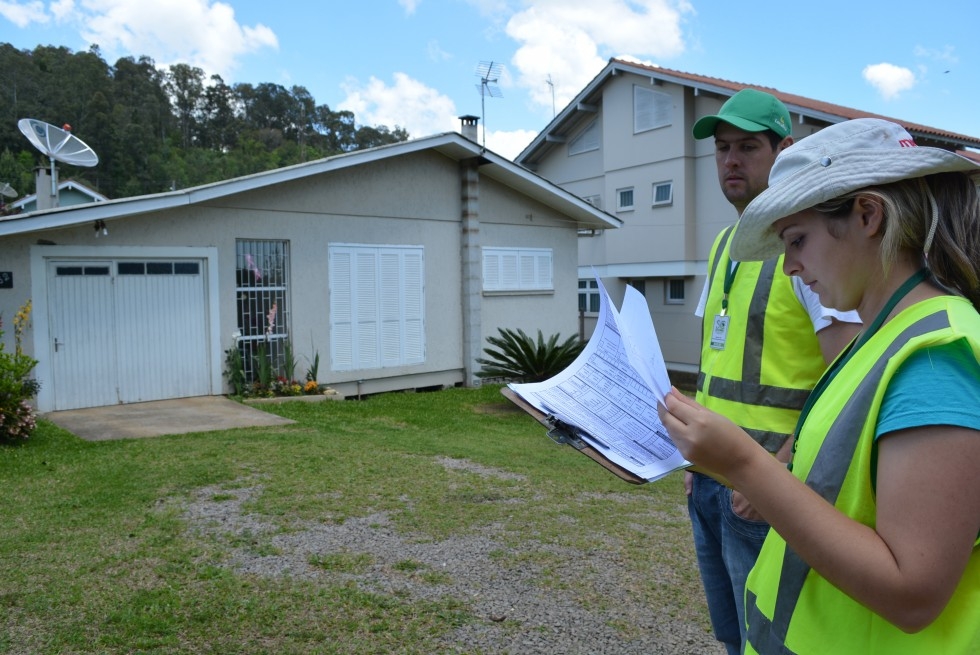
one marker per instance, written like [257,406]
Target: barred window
[262,290]
[674,291]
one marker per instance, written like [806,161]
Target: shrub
[516,356]
[235,371]
[17,416]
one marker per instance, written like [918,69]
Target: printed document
[608,396]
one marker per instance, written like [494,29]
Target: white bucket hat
[836,160]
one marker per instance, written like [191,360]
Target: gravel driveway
[516,613]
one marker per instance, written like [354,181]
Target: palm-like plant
[516,356]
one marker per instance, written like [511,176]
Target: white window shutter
[543,271]
[377,306]
[413,309]
[341,321]
[491,269]
[366,306]
[510,270]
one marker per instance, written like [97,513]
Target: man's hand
[742,507]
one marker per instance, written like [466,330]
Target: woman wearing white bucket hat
[875,546]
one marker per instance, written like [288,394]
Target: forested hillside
[156,130]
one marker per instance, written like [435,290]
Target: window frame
[589,296]
[620,207]
[669,185]
[669,296]
[377,306]
[518,270]
[263,304]
[652,109]
[585,141]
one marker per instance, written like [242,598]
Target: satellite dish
[57,144]
[6,191]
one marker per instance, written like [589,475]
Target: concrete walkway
[152,419]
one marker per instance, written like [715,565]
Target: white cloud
[421,110]
[23,14]
[888,79]
[409,104]
[571,40]
[436,53]
[946,55]
[409,5]
[196,32]
[63,10]
[509,144]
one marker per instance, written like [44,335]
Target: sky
[420,64]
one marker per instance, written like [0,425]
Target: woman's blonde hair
[953,255]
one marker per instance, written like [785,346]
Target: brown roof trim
[969,154]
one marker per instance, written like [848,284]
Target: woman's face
[832,266]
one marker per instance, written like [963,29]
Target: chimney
[468,127]
[46,198]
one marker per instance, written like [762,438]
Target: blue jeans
[727,546]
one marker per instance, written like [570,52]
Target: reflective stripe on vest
[826,477]
[749,390]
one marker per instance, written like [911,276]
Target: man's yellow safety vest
[771,357]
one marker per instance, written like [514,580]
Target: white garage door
[127,330]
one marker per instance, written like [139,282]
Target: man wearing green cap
[765,341]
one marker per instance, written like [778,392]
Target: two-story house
[625,145]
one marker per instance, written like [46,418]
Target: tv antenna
[58,144]
[489,72]
[550,83]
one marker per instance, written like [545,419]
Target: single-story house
[391,265]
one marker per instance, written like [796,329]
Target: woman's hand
[705,438]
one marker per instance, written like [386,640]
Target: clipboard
[565,434]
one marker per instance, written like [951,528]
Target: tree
[219,124]
[185,84]
[155,129]
[336,129]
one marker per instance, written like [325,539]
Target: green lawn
[99,554]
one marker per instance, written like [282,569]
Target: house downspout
[472,273]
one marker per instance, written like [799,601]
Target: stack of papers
[609,395]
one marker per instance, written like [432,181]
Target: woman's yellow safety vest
[771,358]
[791,609]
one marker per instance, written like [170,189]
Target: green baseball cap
[750,110]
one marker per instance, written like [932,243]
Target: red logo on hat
[906,143]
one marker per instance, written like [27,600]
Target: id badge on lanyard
[719,331]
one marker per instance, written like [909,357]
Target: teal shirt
[934,386]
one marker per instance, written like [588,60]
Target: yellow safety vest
[791,609]
[771,358]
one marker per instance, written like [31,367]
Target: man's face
[743,160]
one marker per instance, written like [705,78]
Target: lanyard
[852,348]
[730,271]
